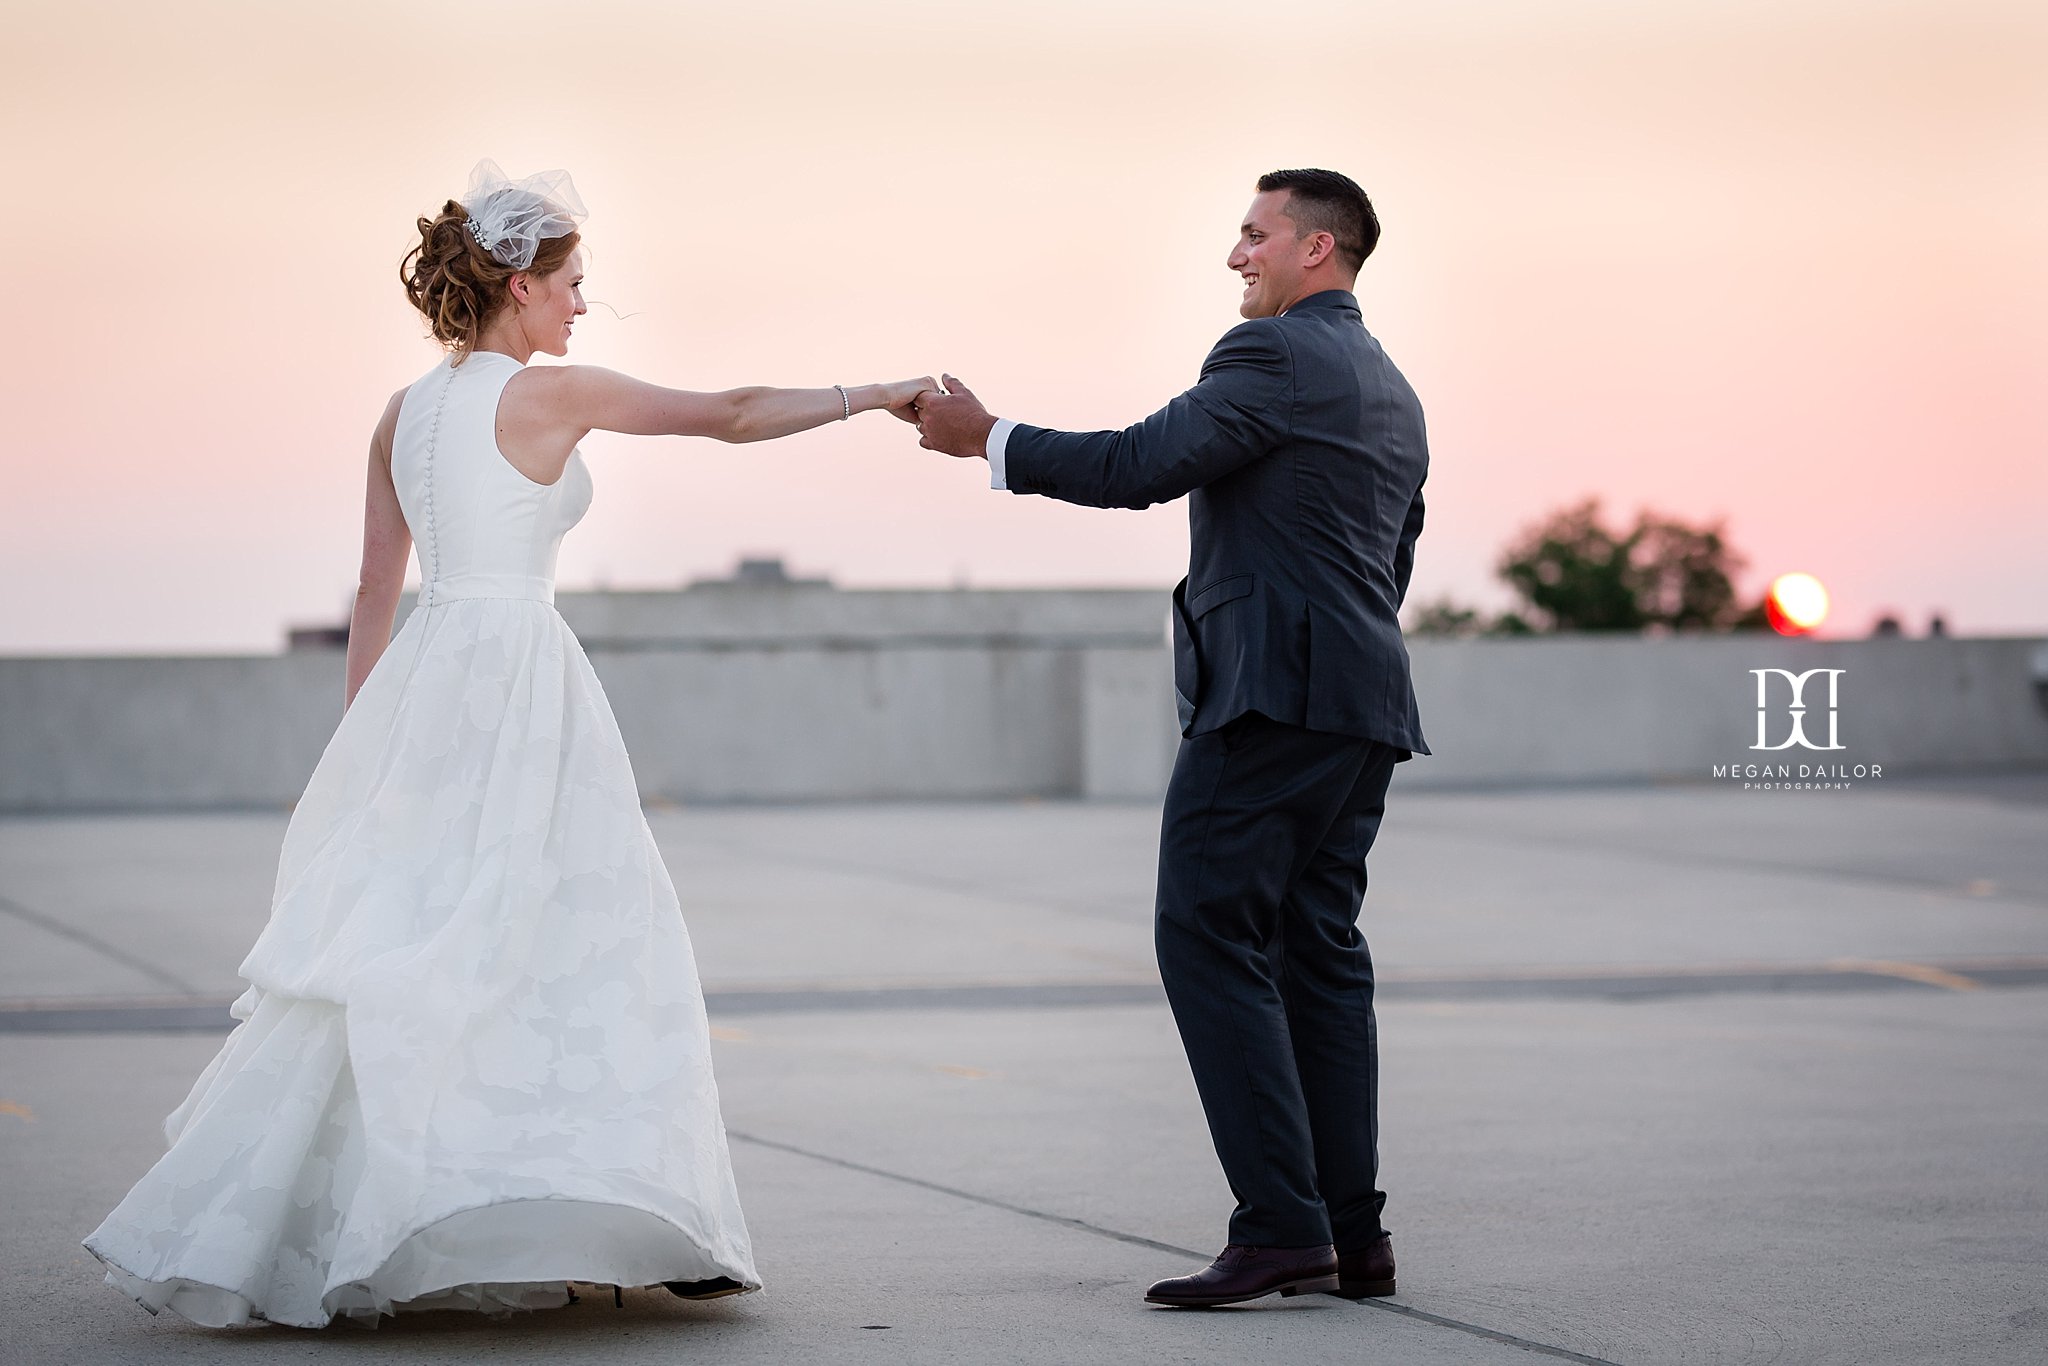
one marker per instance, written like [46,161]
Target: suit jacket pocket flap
[1221,591]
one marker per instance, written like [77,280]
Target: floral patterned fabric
[472,1063]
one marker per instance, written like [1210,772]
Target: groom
[1301,451]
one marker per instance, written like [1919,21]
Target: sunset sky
[1778,263]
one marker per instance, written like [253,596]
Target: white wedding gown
[472,1064]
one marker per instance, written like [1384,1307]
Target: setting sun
[1797,604]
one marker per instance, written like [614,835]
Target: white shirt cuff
[998,450]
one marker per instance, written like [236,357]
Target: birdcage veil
[510,218]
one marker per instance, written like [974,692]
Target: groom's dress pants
[1261,873]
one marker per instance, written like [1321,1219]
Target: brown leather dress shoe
[1248,1273]
[1367,1273]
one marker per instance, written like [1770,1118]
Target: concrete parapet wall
[793,721]
[803,722]
[1595,708]
[98,734]
[928,699]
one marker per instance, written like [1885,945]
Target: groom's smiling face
[1269,257]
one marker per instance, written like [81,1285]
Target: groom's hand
[954,421]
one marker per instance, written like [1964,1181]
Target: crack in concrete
[77,936]
[1152,1244]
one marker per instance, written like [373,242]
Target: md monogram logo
[1797,709]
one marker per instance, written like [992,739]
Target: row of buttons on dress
[430,559]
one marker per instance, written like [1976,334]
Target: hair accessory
[510,219]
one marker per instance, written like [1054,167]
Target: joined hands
[947,415]
[900,398]
[951,420]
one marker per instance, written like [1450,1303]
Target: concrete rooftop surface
[1671,1074]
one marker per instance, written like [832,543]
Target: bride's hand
[899,397]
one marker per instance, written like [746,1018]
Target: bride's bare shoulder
[567,378]
[545,384]
[566,395]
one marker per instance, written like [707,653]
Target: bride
[472,1064]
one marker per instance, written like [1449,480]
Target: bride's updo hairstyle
[458,285]
[457,274]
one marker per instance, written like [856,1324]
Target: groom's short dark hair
[1325,201]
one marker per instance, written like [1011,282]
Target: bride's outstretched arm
[593,398]
[386,543]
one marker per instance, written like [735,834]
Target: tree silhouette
[1445,618]
[1572,572]
[1684,577]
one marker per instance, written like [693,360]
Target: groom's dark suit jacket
[1302,451]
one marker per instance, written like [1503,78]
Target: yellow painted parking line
[1911,972]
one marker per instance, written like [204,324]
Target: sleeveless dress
[472,1063]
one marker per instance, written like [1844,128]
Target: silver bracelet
[844,402]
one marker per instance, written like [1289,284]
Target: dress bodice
[480,528]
